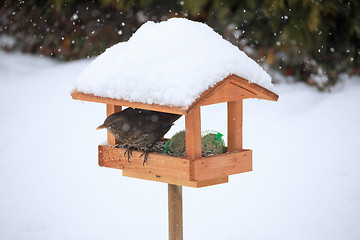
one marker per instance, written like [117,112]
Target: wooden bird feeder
[194,170]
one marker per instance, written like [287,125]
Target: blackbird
[138,128]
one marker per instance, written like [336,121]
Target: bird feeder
[192,170]
[176,66]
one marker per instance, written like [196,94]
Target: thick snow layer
[304,184]
[168,63]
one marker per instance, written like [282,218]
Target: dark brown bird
[137,128]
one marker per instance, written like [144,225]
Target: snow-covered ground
[305,183]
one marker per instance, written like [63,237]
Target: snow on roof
[168,63]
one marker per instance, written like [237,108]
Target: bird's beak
[101,127]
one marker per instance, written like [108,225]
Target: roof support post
[235,122]
[110,109]
[193,137]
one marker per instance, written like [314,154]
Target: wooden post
[235,109]
[193,133]
[193,150]
[175,212]
[193,137]
[110,109]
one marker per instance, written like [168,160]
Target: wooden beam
[193,137]
[234,125]
[213,95]
[193,133]
[260,91]
[205,171]
[222,165]
[159,165]
[233,88]
[155,107]
[176,181]
[175,212]
[110,109]
[223,91]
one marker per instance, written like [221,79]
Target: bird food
[212,143]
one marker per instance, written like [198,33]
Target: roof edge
[245,88]
[251,90]
[261,92]
[77,95]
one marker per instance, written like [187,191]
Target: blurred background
[311,41]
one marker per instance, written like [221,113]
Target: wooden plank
[155,107]
[213,181]
[223,165]
[193,133]
[175,212]
[224,91]
[110,109]
[176,181]
[207,94]
[193,137]
[160,167]
[234,125]
[157,164]
[233,88]
[158,178]
[260,91]
[228,92]
[176,170]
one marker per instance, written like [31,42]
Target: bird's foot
[128,152]
[146,154]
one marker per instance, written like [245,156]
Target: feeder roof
[172,63]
